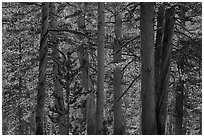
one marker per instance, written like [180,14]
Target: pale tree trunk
[147,55]
[169,126]
[100,74]
[58,89]
[179,108]
[162,90]
[118,127]
[42,71]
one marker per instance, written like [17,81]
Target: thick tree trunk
[147,54]
[118,127]
[162,89]
[58,89]
[42,71]
[100,74]
[179,108]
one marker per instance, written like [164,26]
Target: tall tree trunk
[100,74]
[42,71]
[58,89]
[147,55]
[158,45]
[179,108]
[118,128]
[84,61]
[163,85]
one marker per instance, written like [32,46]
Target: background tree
[117,86]
[21,36]
[100,74]
[42,71]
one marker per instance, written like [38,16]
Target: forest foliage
[65,60]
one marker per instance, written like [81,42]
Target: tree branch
[128,87]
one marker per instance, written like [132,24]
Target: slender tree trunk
[147,89]
[84,61]
[117,112]
[58,89]
[179,108]
[163,85]
[20,113]
[158,45]
[42,71]
[200,118]
[100,74]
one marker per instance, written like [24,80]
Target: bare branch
[128,87]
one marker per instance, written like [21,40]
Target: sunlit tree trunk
[58,89]
[147,55]
[40,115]
[118,128]
[179,108]
[100,74]
[162,90]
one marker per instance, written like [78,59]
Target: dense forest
[101,68]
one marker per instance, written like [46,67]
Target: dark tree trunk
[163,77]
[118,127]
[179,108]
[100,74]
[147,51]
[58,89]
[40,116]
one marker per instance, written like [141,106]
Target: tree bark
[179,108]
[147,55]
[100,74]
[84,61]
[162,89]
[42,71]
[118,127]
[58,89]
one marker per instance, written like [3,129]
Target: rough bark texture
[118,128]
[179,108]
[147,89]
[58,89]
[162,90]
[42,71]
[100,74]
